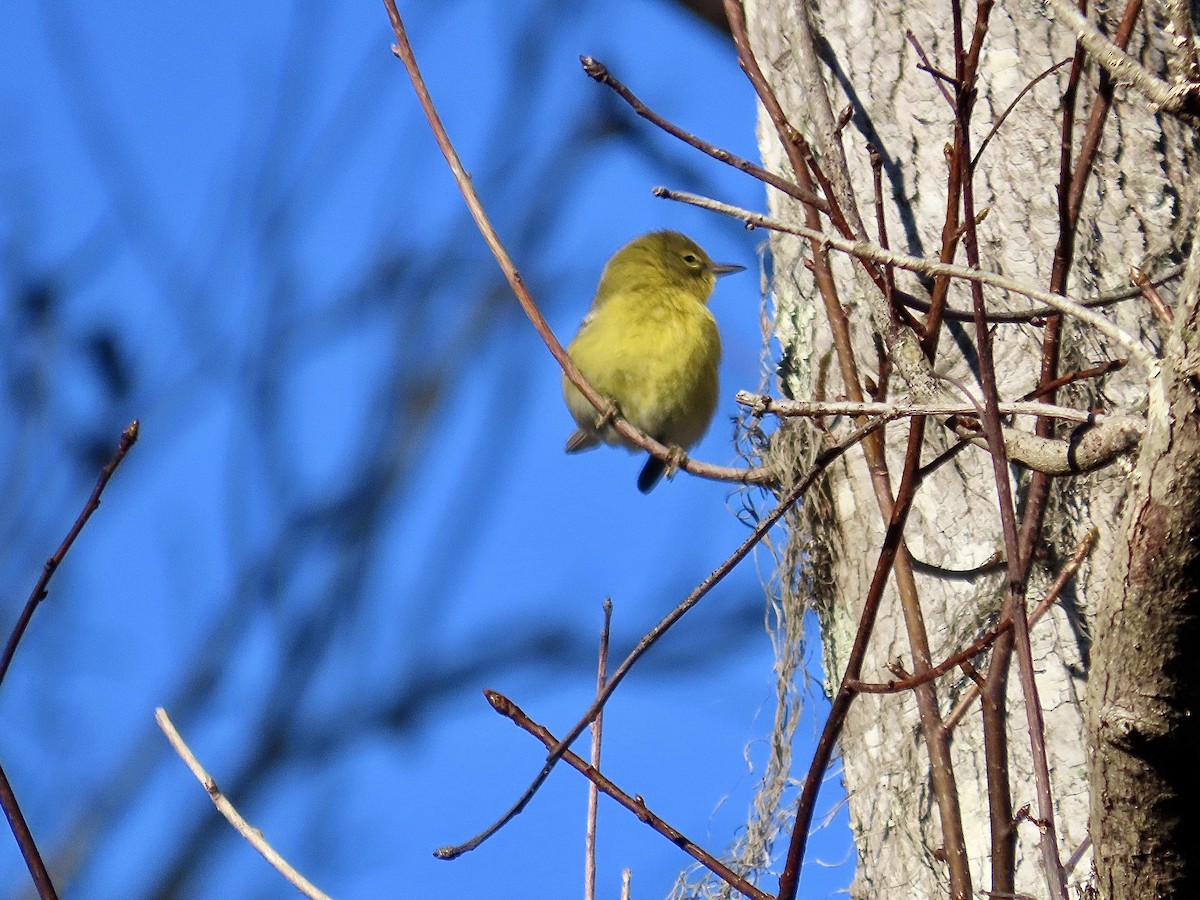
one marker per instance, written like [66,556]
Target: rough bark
[1132,214]
[1144,686]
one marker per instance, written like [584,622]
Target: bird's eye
[692,260]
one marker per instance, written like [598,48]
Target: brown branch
[41,589]
[24,838]
[597,71]
[766,94]
[1101,105]
[1013,105]
[404,52]
[635,804]
[893,334]
[789,498]
[950,662]
[1113,365]
[1153,297]
[1082,549]
[890,553]
[791,139]
[995,564]
[940,78]
[997,771]
[889,274]
[8,799]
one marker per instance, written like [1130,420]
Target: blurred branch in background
[335,387]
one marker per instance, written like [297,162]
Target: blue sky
[349,511]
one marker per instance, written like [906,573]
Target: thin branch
[24,838]
[908,682]
[823,460]
[1008,109]
[128,437]
[244,828]
[599,72]
[996,563]
[893,543]
[1153,297]
[867,250]
[1097,119]
[889,275]
[762,404]
[766,95]
[1183,99]
[635,805]
[1113,365]
[940,78]
[404,52]
[589,840]
[1104,298]
[1082,549]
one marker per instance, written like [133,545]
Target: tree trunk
[1134,211]
[1144,687]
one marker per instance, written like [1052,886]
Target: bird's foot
[675,461]
[608,415]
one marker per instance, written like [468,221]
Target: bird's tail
[651,473]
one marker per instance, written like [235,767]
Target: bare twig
[244,828]
[890,553]
[403,50]
[1015,602]
[940,78]
[24,838]
[599,72]
[762,404]
[908,682]
[993,564]
[8,799]
[1082,549]
[128,437]
[589,859]
[1104,298]
[789,498]
[635,804]
[1113,365]
[867,250]
[1153,297]
[1013,105]
[1183,99]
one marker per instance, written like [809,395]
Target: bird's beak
[726,268]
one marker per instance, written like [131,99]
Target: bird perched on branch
[649,344]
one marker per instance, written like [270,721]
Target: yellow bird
[650,344]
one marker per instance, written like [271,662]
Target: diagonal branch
[635,804]
[403,50]
[128,437]
[867,250]
[1182,99]
[252,835]
[789,498]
